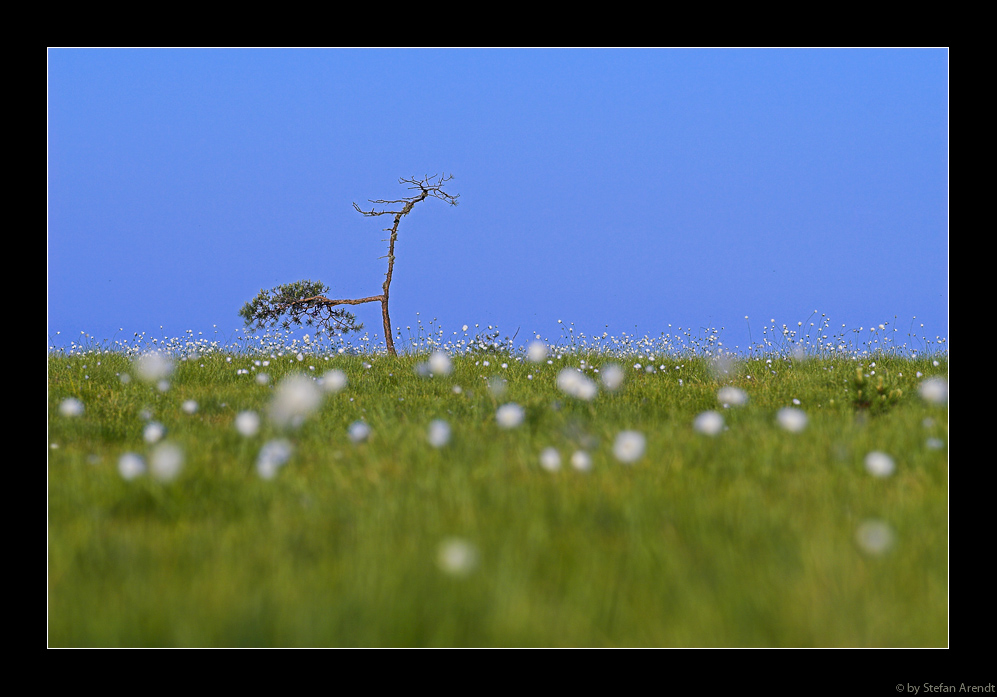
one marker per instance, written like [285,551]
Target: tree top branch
[428,187]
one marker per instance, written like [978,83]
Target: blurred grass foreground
[496,499]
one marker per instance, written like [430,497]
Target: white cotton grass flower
[791,419]
[709,423]
[732,396]
[496,386]
[629,446]
[439,433]
[439,363]
[581,461]
[153,431]
[874,537]
[247,423]
[262,379]
[550,459]
[536,352]
[130,466]
[574,383]
[935,390]
[457,557]
[296,397]
[333,381]
[71,407]
[509,415]
[721,366]
[358,432]
[612,377]
[189,406]
[154,367]
[879,464]
[166,461]
[272,457]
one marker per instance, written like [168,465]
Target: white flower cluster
[574,383]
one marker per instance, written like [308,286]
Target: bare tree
[305,303]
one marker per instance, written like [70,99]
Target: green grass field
[750,535]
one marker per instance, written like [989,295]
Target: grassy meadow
[496,498]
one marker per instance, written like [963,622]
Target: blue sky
[631,188]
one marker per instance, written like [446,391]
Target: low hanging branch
[304,303]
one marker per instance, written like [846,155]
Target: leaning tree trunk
[426,189]
[388,340]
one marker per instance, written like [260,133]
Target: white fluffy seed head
[294,399]
[732,396]
[359,432]
[574,383]
[247,423]
[536,352]
[166,461]
[457,557]
[629,446]
[153,366]
[709,423]
[439,433]
[791,419]
[879,464]
[497,386]
[131,466]
[581,461]
[272,456]
[71,407]
[612,377]
[509,415]
[874,537]
[550,459]
[153,431]
[935,390]
[333,381]
[439,363]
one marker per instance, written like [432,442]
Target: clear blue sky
[631,188]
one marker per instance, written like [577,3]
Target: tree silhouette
[304,303]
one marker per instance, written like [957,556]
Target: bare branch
[321,300]
[429,187]
[376,212]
